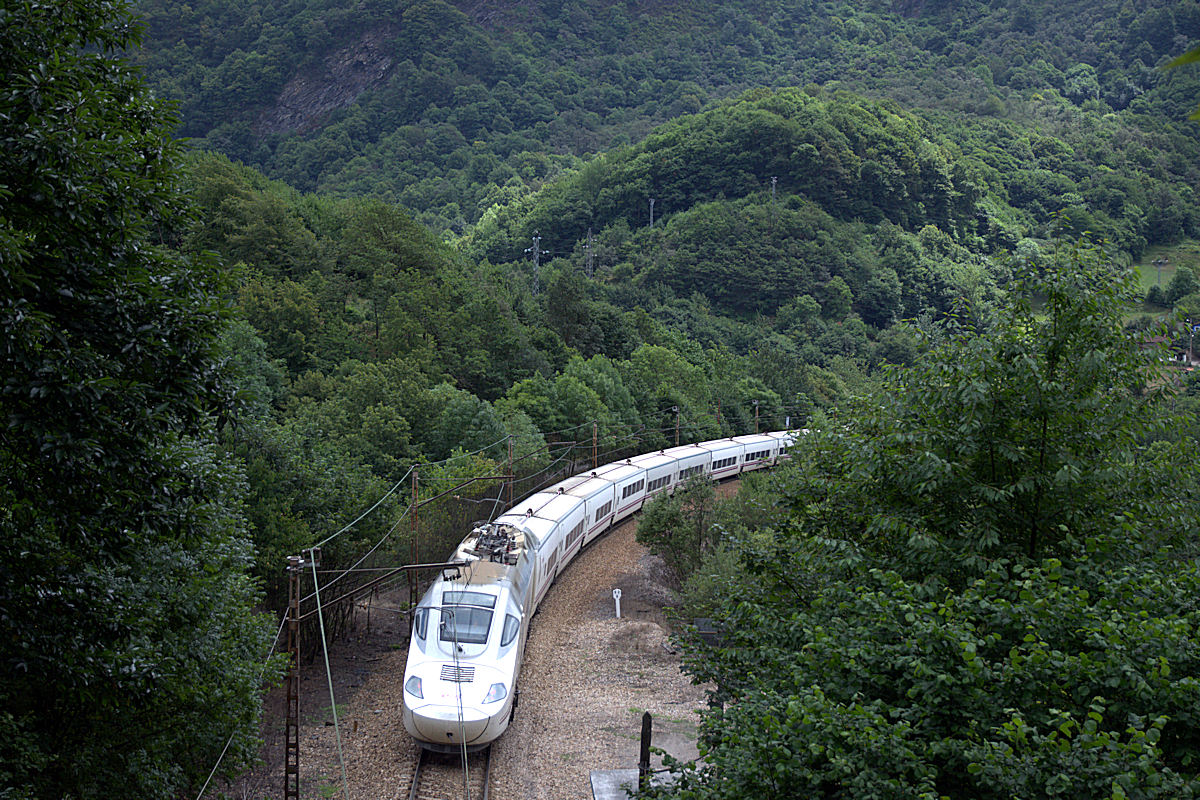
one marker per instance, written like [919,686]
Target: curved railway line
[603,670]
[441,776]
[471,625]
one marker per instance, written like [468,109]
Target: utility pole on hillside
[774,180]
[1191,332]
[588,255]
[651,212]
[537,252]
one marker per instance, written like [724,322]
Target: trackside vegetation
[979,581]
[131,652]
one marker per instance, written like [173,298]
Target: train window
[465,624]
[421,623]
[469,599]
[512,626]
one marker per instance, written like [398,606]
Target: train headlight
[496,693]
[413,687]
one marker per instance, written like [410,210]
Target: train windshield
[466,617]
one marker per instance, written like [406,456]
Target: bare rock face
[342,77]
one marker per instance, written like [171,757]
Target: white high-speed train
[469,629]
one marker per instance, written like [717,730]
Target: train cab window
[512,627]
[421,623]
[481,599]
[466,617]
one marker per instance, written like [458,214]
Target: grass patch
[1185,253]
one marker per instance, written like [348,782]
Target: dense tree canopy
[978,583]
[452,107]
[130,653]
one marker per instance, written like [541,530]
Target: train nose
[445,724]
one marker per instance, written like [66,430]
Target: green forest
[260,261]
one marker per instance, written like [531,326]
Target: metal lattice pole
[291,766]
[589,258]
[537,252]
[412,576]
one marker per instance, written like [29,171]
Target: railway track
[440,776]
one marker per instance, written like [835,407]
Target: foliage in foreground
[1032,681]
[130,651]
[678,527]
[984,587]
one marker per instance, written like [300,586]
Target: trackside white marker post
[617,598]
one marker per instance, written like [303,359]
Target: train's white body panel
[469,629]
[599,501]
[660,473]
[690,459]
[760,450]
[726,458]
[786,440]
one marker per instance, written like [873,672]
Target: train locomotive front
[467,643]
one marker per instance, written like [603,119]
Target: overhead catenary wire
[365,556]
[329,677]
[395,526]
[229,741]
[363,515]
[401,482]
[404,479]
[559,453]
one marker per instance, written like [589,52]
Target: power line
[363,515]
[537,252]
[329,677]
[229,741]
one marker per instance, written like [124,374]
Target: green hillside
[795,226]
[450,110]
